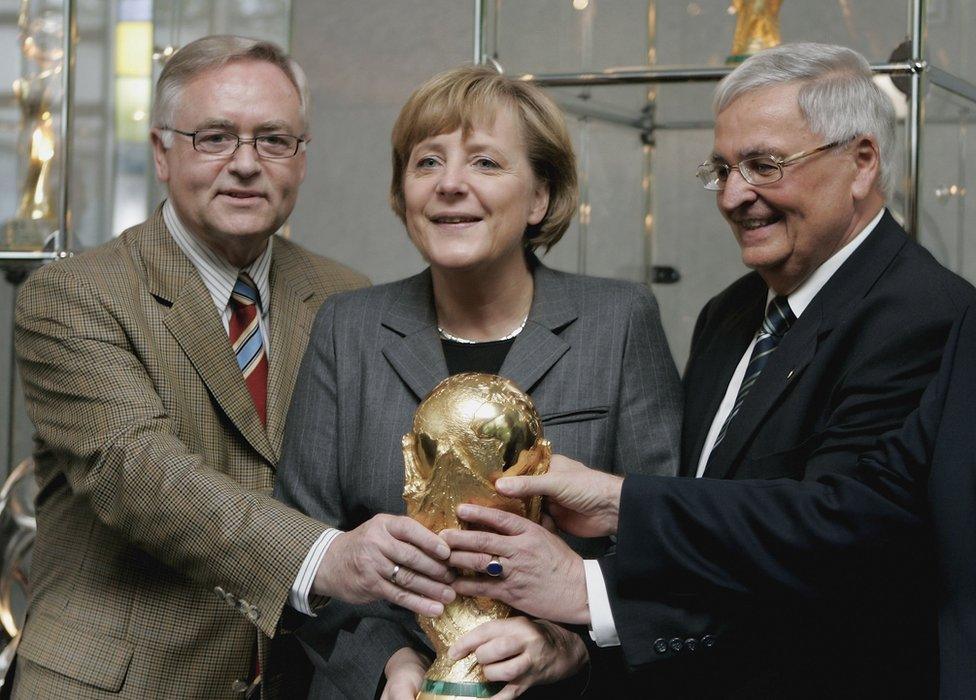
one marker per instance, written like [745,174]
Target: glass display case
[107,64]
[636,78]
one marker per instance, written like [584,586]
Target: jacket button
[675,644]
[691,644]
[230,599]
[660,646]
[253,614]
[708,641]
[220,592]
[239,686]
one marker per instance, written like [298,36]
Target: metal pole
[11,390]
[647,150]
[480,25]
[664,74]
[63,242]
[916,118]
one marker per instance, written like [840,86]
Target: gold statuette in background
[756,27]
[469,431]
[37,91]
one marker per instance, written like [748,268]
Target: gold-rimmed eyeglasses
[215,142]
[756,170]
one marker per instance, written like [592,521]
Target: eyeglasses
[757,170]
[214,142]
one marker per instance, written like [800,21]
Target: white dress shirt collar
[801,297]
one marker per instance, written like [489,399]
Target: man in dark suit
[790,569]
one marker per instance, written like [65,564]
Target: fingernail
[435,610]
[448,595]
[464,510]
[453,654]
[503,483]
[443,551]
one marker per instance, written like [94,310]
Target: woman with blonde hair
[484,175]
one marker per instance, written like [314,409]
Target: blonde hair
[472,95]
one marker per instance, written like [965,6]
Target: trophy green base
[27,235]
[448,690]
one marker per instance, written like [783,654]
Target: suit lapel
[537,348]
[717,363]
[416,354]
[290,319]
[418,357]
[195,324]
[844,288]
[785,366]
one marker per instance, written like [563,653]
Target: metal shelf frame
[916,68]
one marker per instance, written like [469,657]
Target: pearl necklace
[447,336]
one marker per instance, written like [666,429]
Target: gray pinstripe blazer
[592,355]
[155,472]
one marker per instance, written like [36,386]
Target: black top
[475,357]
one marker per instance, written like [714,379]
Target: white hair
[211,53]
[838,97]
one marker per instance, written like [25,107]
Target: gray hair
[838,97]
[212,53]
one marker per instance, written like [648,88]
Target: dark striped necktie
[779,318]
[248,344]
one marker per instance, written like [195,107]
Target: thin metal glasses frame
[715,184]
[255,141]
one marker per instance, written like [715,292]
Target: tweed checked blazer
[159,550]
[592,356]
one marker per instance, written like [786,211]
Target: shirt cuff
[298,598]
[603,630]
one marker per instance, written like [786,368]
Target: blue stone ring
[494,568]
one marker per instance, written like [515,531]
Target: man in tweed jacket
[160,555]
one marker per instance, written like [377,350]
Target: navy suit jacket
[792,569]
[938,443]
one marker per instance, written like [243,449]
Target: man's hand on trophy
[404,673]
[390,557]
[584,502]
[523,653]
[528,567]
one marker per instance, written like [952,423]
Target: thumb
[521,486]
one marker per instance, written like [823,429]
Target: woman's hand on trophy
[404,673]
[389,557]
[522,653]
[528,567]
[583,501]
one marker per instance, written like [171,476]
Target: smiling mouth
[752,223]
[241,195]
[455,219]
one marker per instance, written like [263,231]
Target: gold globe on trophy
[756,28]
[471,430]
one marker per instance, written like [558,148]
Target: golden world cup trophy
[756,28]
[37,91]
[471,430]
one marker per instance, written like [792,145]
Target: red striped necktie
[248,344]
